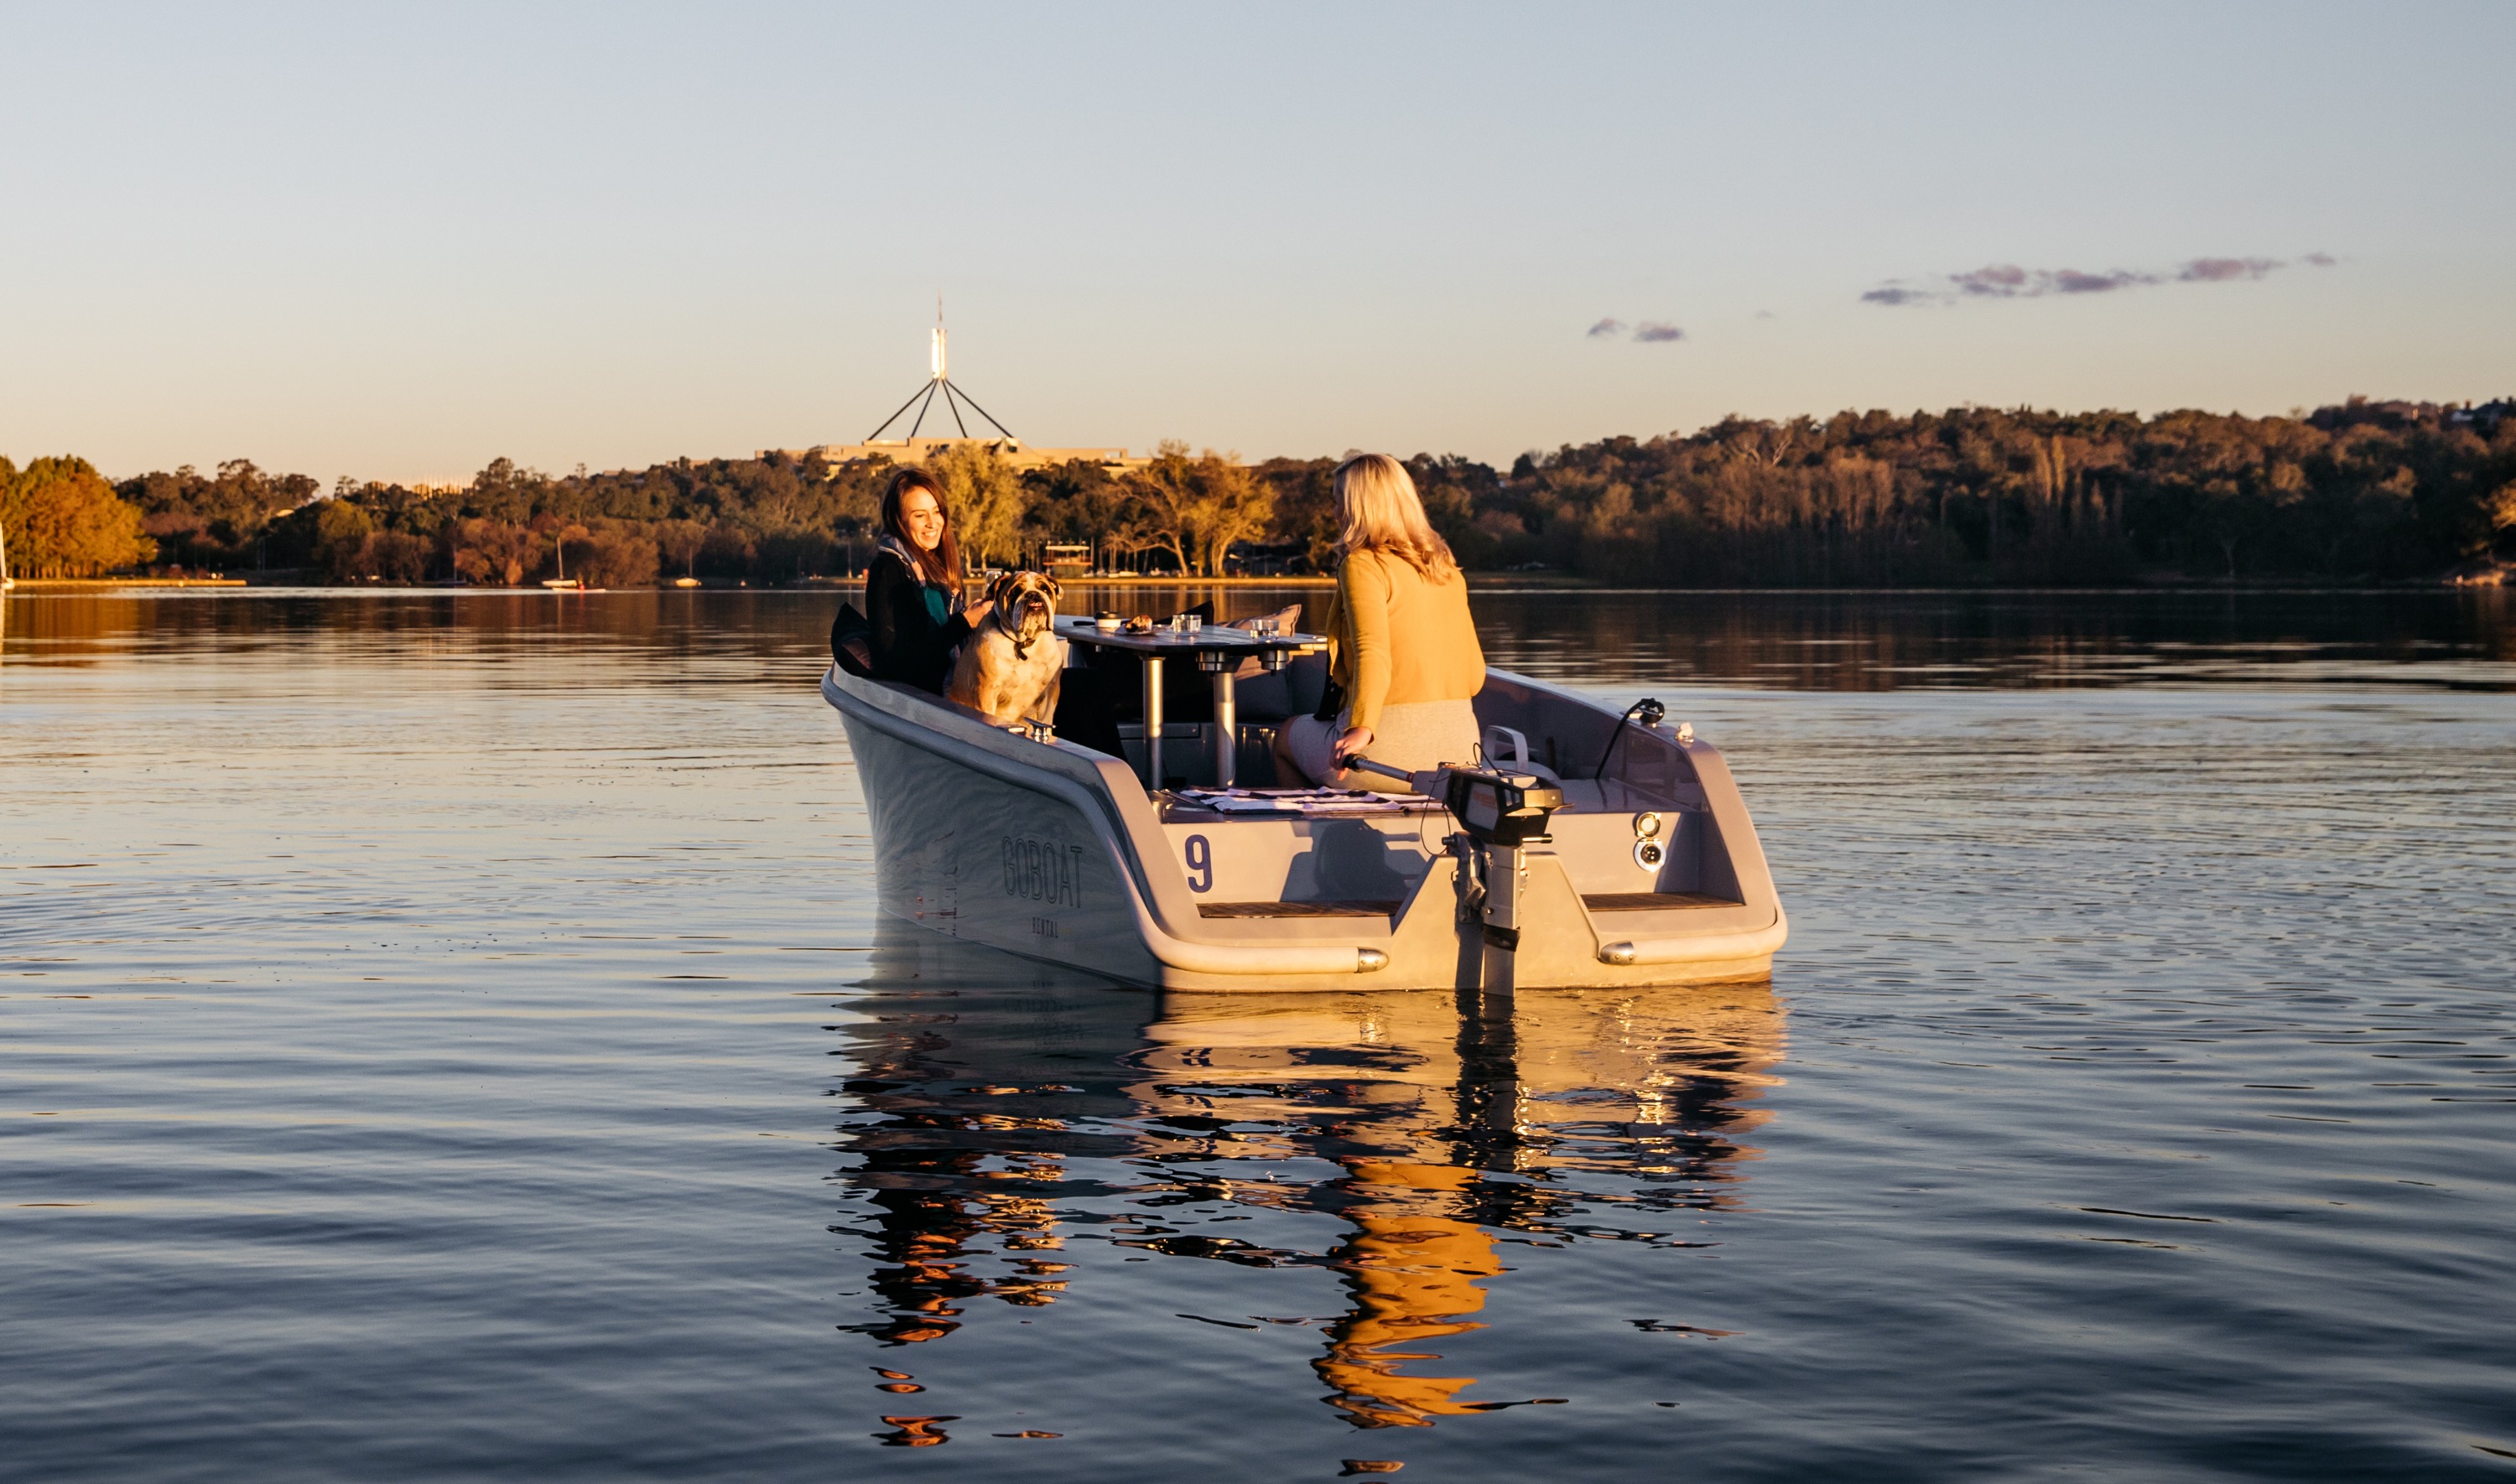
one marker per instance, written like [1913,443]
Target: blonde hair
[1379,511]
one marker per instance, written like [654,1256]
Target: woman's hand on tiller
[1352,744]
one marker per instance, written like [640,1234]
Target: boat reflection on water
[975,1090]
[1004,1109]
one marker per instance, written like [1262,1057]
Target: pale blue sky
[397,242]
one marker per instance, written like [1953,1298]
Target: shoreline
[77,583]
[1490,582]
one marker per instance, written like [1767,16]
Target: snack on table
[1140,624]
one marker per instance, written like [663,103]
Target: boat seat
[1273,697]
[1296,909]
[1507,748]
[1650,901]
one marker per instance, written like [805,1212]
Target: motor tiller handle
[1427,782]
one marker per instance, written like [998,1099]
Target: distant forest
[2360,492]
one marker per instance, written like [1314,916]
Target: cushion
[1293,691]
[1287,620]
[851,641]
[1260,694]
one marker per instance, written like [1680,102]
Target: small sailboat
[563,582]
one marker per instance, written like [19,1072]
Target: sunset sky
[397,242]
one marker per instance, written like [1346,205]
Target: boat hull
[966,853]
[1055,853]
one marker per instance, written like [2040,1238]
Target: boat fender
[1752,943]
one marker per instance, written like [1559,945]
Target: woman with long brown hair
[914,599]
[1401,645]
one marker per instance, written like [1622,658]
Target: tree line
[2360,491]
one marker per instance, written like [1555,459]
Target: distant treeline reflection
[1819,640]
[2363,492]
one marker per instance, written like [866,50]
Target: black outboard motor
[1500,812]
[1499,808]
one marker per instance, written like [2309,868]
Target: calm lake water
[450,1037]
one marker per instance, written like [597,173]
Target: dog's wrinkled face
[1025,603]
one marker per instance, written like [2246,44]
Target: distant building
[913,449]
[918,450]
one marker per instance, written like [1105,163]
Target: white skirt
[1415,737]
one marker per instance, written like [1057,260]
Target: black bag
[852,642]
[1332,695]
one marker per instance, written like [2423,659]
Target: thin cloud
[2071,280]
[2000,280]
[2009,280]
[2223,270]
[1650,332]
[2321,260]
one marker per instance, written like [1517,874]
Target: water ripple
[451,1039]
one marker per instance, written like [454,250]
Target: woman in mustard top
[1400,644]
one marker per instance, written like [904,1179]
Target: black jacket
[908,646]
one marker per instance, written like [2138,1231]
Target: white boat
[1649,872]
[563,582]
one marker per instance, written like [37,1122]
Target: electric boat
[1585,849]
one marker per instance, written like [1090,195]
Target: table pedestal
[1218,652]
[1227,730]
[1153,723]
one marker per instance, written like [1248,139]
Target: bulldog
[1010,664]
